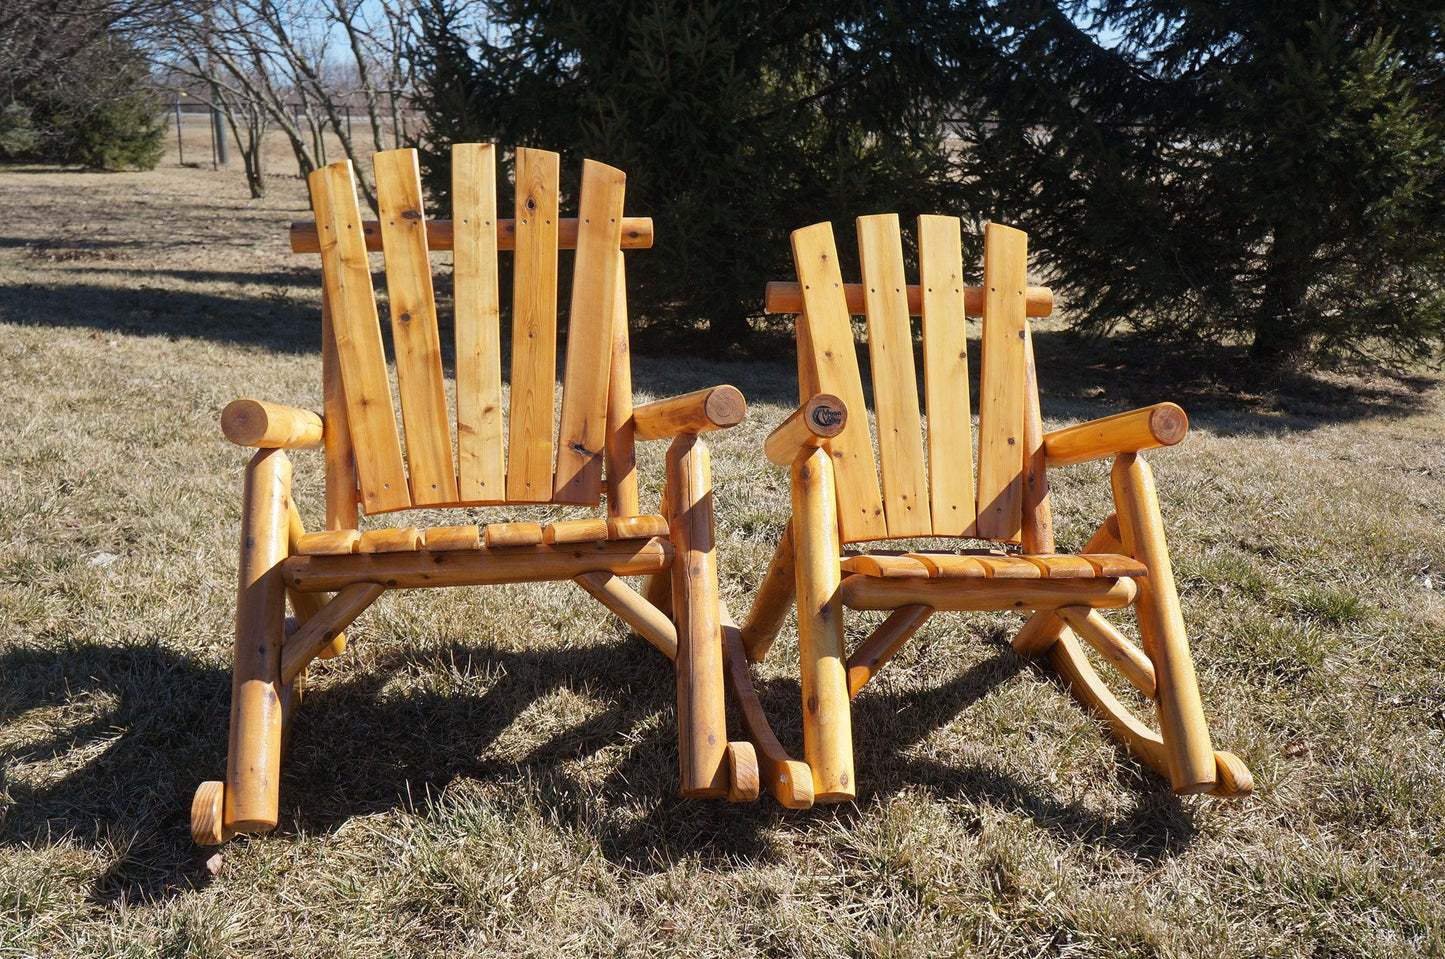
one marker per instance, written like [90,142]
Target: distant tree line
[1223,172]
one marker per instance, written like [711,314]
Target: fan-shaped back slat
[1002,383]
[829,351]
[895,385]
[481,462]
[420,381]
[534,328]
[357,331]
[945,375]
[583,431]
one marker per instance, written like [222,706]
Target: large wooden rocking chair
[366,466]
[838,501]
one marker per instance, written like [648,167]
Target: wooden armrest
[1150,427]
[268,425]
[711,409]
[812,424]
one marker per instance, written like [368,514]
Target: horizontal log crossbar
[869,592]
[787,297]
[636,234]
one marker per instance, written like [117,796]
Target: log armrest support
[1147,428]
[812,424]
[257,423]
[715,408]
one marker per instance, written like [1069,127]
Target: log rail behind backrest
[533,469]
[924,492]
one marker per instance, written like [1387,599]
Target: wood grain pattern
[620,453]
[945,376]
[534,329]
[832,358]
[357,331]
[342,496]
[481,458]
[1001,390]
[414,334]
[583,433]
[895,381]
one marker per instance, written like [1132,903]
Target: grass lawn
[493,771]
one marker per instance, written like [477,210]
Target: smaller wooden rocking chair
[838,501]
[366,466]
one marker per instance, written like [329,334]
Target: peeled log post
[827,717]
[1161,626]
[701,715]
[254,765]
[699,412]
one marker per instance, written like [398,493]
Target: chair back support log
[492,462]
[927,473]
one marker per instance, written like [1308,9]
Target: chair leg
[1191,760]
[249,799]
[827,718]
[701,711]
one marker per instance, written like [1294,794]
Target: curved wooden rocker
[542,463]
[838,501]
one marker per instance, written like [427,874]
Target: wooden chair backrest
[925,491]
[483,469]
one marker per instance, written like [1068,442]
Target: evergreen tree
[1227,171]
[735,121]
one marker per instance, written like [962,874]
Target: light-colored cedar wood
[1008,567]
[620,454]
[307,605]
[1069,661]
[1232,777]
[868,592]
[583,431]
[322,629]
[649,622]
[1162,424]
[945,376]
[658,589]
[827,722]
[357,332]
[254,766]
[485,567]
[1039,633]
[744,781]
[790,781]
[895,383]
[787,297]
[883,644]
[441,539]
[833,360]
[1053,566]
[496,535]
[207,827]
[636,527]
[1099,633]
[1161,627]
[481,460]
[1002,380]
[1037,519]
[816,421]
[715,408]
[886,566]
[1043,627]
[637,234]
[951,566]
[414,333]
[808,378]
[331,542]
[534,329]
[250,422]
[342,496]
[400,540]
[774,596]
[701,717]
[589,530]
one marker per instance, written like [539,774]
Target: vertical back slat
[414,333]
[895,383]
[621,453]
[945,374]
[834,360]
[583,432]
[534,328]
[481,462]
[1037,534]
[340,462]
[357,329]
[1001,390]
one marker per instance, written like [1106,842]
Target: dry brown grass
[493,771]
